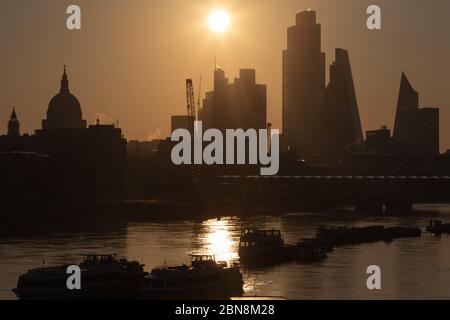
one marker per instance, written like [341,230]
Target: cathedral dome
[64,104]
[64,109]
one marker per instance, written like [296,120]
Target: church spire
[64,82]
[13,114]
[13,125]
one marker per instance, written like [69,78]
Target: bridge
[365,193]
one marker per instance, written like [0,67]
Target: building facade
[303,84]
[241,104]
[341,112]
[416,131]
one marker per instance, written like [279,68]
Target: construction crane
[192,115]
[199,94]
[190,99]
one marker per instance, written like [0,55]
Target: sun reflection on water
[218,240]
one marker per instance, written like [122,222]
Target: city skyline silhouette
[224,149]
[147,69]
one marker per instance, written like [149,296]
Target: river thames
[417,268]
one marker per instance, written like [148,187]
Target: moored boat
[267,247]
[205,278]
[103,276]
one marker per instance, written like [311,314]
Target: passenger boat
[203,279]
[256,244]
[266,247]
[103,276]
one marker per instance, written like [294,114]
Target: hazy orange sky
[131,58]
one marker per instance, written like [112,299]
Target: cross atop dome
[64,82]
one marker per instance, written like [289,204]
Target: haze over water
[411,268]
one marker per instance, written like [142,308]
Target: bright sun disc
[219,21]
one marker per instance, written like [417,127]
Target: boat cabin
[260,238]
[202,260]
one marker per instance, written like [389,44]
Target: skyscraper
[416,131]
[408,104]
[303,84]
[424,135]
[241,104]
[216,112]
[13,125]
[248,101]
[341,108]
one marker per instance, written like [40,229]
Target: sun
[219,21]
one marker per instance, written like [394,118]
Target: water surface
[416,268]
